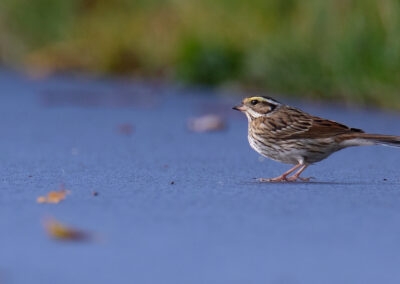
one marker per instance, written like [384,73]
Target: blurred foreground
[336,50]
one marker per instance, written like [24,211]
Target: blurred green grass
[340,50]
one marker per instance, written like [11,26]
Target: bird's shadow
[255,182]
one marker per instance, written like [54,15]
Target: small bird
[292,136]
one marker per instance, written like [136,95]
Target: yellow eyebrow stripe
[254,98]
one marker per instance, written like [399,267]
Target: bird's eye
[254,102]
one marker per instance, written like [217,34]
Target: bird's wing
[292,123]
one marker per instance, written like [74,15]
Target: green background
[338,50]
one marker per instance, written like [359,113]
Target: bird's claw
[294,178]
[277,179]
[283,179]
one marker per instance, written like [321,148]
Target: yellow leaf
[53,196]
[60,231]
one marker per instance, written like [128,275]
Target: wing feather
[291,123]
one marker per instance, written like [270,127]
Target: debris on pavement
[206,123]
[53,196]
[59,231]
[95,193]
[125,129]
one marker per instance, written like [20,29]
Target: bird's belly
[294,151]
[275,151]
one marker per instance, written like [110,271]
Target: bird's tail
[359,139]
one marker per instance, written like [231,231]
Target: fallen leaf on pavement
[53,196]
[125,129]
[206,123]
[59,231]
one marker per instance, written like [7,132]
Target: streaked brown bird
[292,136]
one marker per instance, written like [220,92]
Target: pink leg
[282,177]
[296,176]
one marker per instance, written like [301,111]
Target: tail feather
[360,139]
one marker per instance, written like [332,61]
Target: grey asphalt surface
[215,224]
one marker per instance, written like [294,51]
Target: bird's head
[255,107]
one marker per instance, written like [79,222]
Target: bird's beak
[240,108]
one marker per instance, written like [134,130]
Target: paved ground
[215,224]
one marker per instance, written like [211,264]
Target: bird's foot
[295,178]
[277,179]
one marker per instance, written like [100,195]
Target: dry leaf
[53,196]
[125,129]
[60,231]
[210,122]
